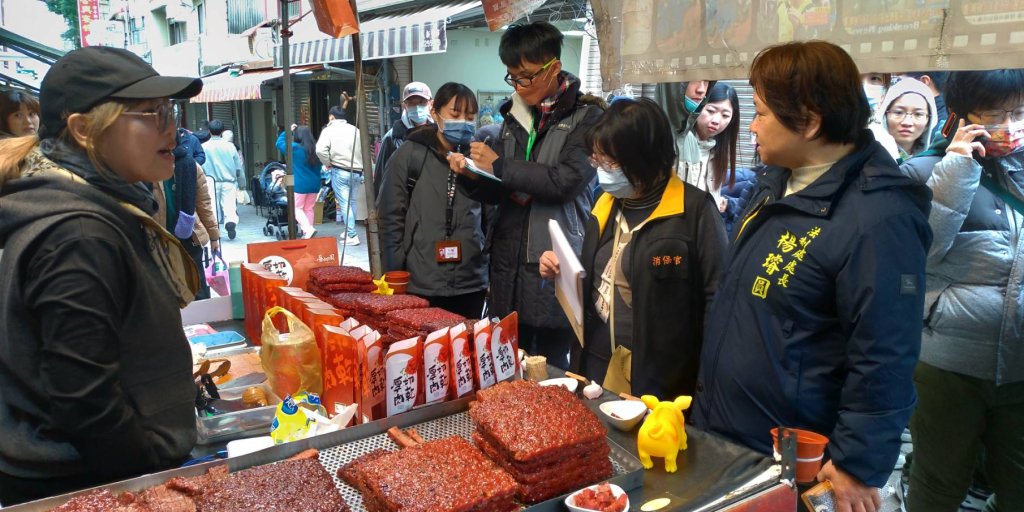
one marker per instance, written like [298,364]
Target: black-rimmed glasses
[526,81]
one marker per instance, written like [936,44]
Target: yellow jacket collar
[671,204]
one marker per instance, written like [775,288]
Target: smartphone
[952,124]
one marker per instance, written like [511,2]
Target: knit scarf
[547,105]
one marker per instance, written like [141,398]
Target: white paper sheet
[569,283]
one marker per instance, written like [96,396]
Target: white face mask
[874,94]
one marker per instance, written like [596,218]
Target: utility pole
[372,231]
[286,117]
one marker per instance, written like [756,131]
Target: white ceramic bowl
[623,414]
[616,491]
[565,382]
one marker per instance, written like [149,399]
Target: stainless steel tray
[338,448]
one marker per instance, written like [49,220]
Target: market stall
[386,360]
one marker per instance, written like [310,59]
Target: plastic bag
[217,275]
[291,360]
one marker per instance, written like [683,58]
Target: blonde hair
[14,150]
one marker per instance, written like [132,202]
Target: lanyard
[610,276]
[449,216]
[529,143]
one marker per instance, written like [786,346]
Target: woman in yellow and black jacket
[662,242]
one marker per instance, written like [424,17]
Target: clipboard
[569,284]
[471,165]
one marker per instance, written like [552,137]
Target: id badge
[448,251]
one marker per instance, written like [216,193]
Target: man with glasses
[542,162]
[224,165]
[970,378]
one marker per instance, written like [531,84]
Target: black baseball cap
[89,76]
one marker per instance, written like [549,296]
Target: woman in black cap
[95,371]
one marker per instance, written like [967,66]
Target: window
[176,32]
[201,12]
[136,27]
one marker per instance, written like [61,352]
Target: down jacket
[411,222]
[816,321]
[974,306]
[556,184]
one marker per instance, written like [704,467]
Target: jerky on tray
[425,319]
[446,475]
[380,304]
[337,274]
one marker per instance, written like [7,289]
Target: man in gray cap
[416,98]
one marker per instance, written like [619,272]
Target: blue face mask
[418,114]
[459,133]
[689,104]
[614,182]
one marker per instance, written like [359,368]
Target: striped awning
[246,86]
[413,33]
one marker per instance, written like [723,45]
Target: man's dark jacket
[817,320]
[390,143]
[519,237]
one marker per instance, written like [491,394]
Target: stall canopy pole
[372,233]
[286,117]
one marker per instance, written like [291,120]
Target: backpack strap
[416,171]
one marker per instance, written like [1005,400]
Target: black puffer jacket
[560,189]
[389,144]
[95,371]
[411,223]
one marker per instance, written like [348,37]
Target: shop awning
[415,32]
[246,86]
[26,46]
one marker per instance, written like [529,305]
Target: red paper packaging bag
[402,366]
[293,259]
[436,367]
[341,370]
[462,361]
[371,366]
[505,347]
[482,361]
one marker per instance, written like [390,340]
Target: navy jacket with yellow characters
[817,321]
[675,261]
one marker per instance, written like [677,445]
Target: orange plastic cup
[810,450]
[398,280]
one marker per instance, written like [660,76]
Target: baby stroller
[276,199]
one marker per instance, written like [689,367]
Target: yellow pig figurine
[662,434]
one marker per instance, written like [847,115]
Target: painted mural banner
[678,40]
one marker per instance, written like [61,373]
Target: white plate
[616,491]
[565,382]
[629,413]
